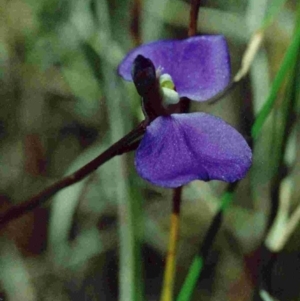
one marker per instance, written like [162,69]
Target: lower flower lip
[184,147]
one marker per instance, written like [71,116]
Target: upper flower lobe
[199,66]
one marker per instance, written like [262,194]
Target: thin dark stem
[195,5]
[267,260]
[129,148]
[211,234]
[185,103]
[214,227]
[135,27]
[177,200]
[81,173]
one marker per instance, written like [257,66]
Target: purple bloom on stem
[180,148]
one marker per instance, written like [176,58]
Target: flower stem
[39,199]
[169,276]
[168,284]
[195,5]
[135,24]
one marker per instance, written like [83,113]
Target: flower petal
[199,66]
[179,148]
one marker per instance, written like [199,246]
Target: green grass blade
[191,279]
[285,67]
[226,200]
[198,262]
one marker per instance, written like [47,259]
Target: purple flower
[179,148]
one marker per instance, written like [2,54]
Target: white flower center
[170,96]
